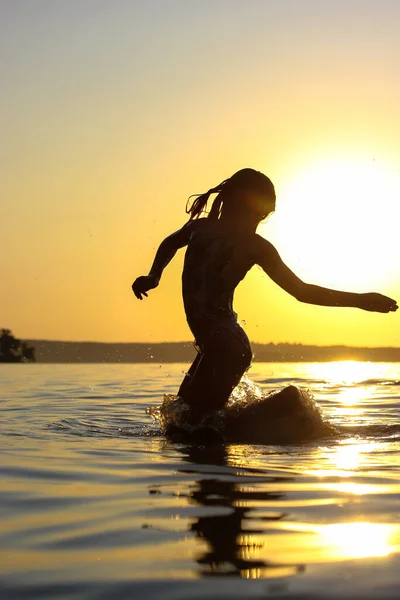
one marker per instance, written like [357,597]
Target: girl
[221,248]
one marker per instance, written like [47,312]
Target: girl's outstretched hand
[143,284]
[377,303]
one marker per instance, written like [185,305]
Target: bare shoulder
[262,249]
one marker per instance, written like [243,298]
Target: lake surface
[96,503]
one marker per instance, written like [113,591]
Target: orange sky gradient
[113,113]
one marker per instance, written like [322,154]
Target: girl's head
[248,195]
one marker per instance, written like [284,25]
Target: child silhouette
[221,248]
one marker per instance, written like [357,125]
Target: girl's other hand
[143,284]
[377,303]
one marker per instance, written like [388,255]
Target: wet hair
[246,180]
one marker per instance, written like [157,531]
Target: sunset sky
[114,111]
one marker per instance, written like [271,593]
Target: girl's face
[246,208]
[259,205]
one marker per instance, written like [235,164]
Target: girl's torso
[216,260]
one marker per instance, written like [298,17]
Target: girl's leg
[185,385]
[217,370]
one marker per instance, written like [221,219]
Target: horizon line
[148,343]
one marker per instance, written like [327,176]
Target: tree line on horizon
[169,352]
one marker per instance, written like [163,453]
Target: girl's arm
[163,257]
[268,258]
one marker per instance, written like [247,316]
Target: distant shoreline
[47,351]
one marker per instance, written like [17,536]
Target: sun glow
[335,224]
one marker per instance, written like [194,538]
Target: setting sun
[336,223]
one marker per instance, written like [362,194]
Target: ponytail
[199,204]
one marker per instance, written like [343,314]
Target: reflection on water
[353,395]
[93,495]
[234,545]
[345,372]
[251,545]
[360,540]
[345,457]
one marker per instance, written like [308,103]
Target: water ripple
[96,503]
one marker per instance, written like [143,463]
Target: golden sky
[113,113]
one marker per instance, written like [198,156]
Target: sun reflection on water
[360,540]
[351,386]
[349,456]
[343,460]
[345,372]
[352,395]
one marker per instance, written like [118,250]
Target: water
[96,503]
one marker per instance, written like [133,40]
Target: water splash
[290,415]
